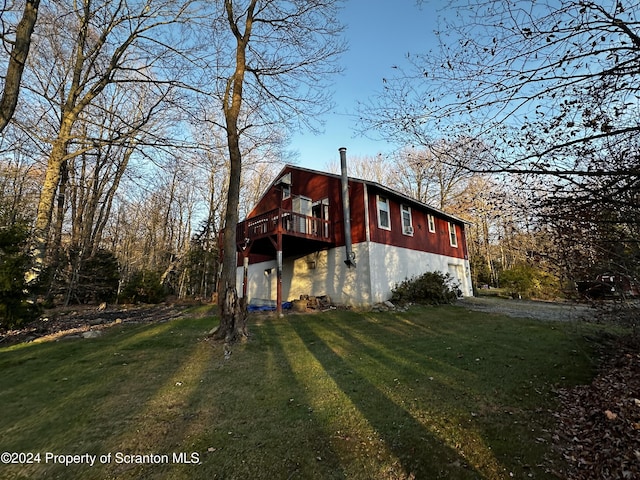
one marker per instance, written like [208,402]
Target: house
[299,241]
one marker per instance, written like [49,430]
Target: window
[453,237]
[285,183]
[384,219]
[407,224]
[432,223]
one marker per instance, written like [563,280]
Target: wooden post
[277,243]
[245,276]
[279,276]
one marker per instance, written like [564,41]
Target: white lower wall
[392,265]
[331,276]
[320,273]
[378,269]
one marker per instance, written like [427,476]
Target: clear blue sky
[380,33]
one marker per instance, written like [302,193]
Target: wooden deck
[284,222]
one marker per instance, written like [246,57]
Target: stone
[91,334]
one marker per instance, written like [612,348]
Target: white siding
[379,268]
[392,265]
[345,286]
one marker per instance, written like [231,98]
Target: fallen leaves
[610,415]
[598,425]
[69,321]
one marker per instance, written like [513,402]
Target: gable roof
[389,191]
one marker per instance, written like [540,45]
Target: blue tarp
[268,306]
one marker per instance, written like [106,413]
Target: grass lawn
[430,393]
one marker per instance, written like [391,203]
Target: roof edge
[372,184]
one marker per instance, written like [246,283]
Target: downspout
[350,260]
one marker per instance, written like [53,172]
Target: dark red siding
[422,239]
[318,186]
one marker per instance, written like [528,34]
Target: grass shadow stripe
[413,445]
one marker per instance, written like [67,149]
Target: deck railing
[286,222]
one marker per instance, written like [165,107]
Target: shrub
[94,279]
[529,282]
[143,287]
[99,277]
[434,288]
[14,261]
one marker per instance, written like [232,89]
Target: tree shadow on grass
[87,396]
[477,374]
[244,416]
[300,442]
[426,362]
[393,345]
[419,452]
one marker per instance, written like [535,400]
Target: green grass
[430,393]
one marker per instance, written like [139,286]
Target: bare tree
[549,86]
[19,181]
[273,71]
[20,45]
[95,45]
[376,168]
[438,173]
[94,176]
[544,79]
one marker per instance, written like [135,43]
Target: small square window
[286,191]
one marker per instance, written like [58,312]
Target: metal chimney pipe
[346,210]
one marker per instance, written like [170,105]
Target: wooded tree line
[144,127]
[137,136]
[123,225]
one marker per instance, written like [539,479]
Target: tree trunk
[232,310]
[45,209]
[56,234]
[232,319]
[17,61]
[106,205]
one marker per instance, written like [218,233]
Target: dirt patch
[539,310]
[74,321]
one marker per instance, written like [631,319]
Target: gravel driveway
[528,308]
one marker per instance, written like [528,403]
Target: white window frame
[407,229]
[453,235]
[383,202]
[431,223]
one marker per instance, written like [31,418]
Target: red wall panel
[422,239]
